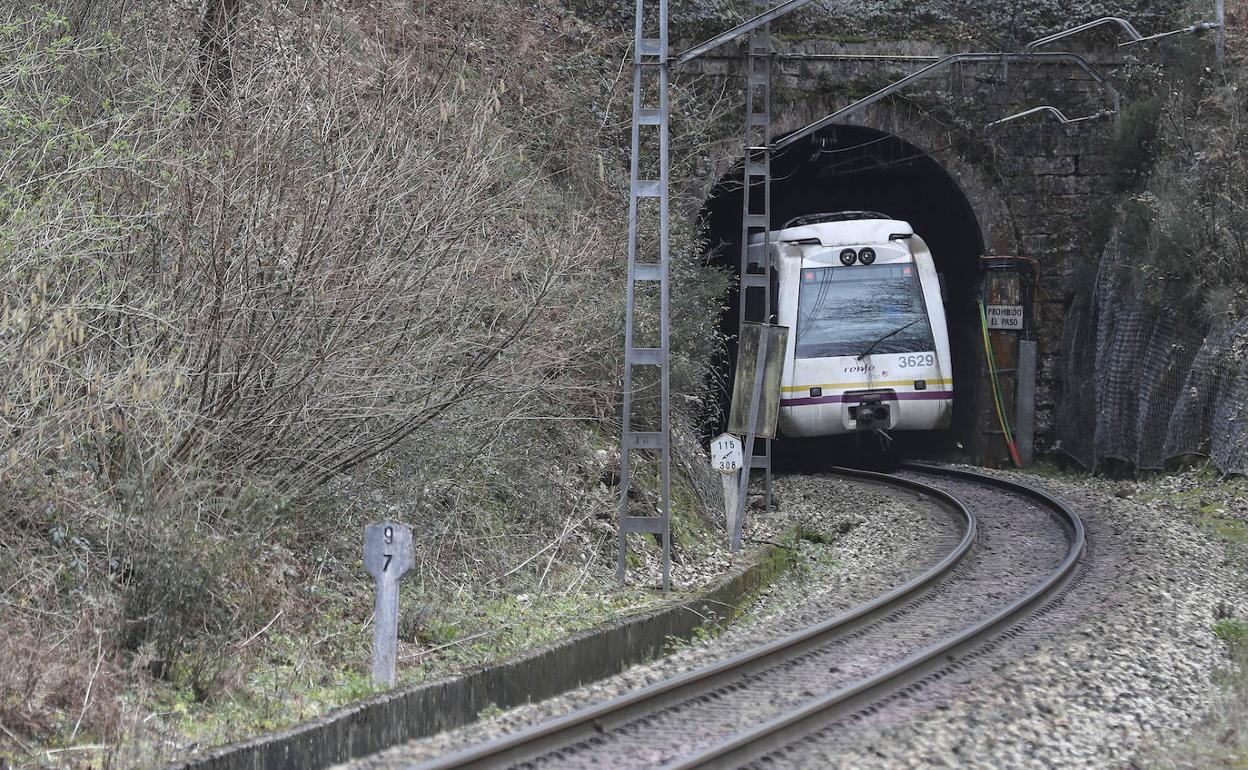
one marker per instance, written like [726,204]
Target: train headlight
[848,256]
[866,256]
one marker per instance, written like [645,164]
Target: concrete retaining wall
[402,715]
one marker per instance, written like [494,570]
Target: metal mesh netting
[1143,385]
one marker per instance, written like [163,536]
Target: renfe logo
[862,369]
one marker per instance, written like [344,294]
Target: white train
[868,349]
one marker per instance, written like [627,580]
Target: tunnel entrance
[856,168]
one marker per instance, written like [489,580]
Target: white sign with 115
[726,453]
[727,457]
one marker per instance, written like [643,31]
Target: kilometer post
[388,556]
[727,457]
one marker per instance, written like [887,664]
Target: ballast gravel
[1119,665]
[1125,666]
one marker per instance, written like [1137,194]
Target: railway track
[1018,548]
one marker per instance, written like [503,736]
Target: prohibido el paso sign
[1008,317]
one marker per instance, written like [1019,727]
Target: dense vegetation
[1181,159]
[271,273]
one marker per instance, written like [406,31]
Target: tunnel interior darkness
[854,168]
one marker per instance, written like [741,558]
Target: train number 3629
[921,359]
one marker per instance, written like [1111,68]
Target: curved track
[1018,547]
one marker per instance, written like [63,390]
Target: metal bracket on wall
[1219,8]
[1049,109]
[1127,27]
[763,19]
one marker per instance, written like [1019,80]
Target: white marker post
[727,457]
[388,555]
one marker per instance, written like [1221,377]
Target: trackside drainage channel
[395,717]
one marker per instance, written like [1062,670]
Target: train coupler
[870,414]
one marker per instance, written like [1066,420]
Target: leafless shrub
[264,295]
[1182,147]
[289,290]
[376,243]
[51,687]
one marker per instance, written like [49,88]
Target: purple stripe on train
[920,395]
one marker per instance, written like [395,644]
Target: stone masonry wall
[1037,186]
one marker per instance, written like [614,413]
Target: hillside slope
[270,273]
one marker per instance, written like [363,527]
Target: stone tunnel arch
[909,166]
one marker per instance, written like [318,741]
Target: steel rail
[586,725]
[776,733]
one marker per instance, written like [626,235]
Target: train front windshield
[848,311]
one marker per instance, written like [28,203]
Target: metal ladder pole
[649,58]
[1219,11]
[756,218]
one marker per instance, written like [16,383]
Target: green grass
[1228,529]
[819,538]
[1208,504]
[1233,631]
[441,633]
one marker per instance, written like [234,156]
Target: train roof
[851,232]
